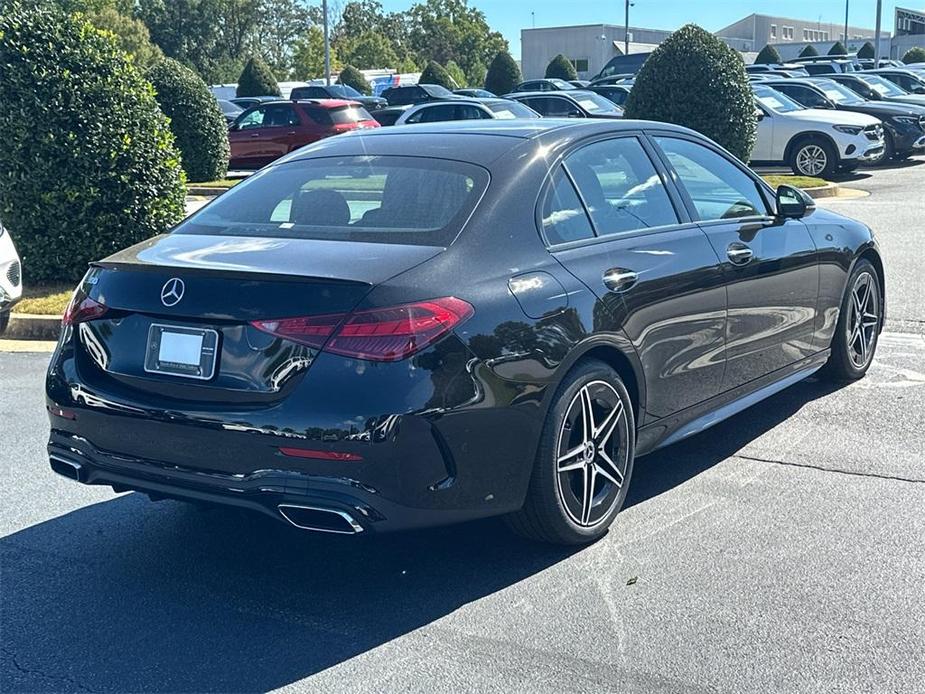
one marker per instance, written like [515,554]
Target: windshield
[838,93]
[422,201]
[344,91]
[882,86]
[511,109]
[561,84]
[437,90]
[229,108]
[775,101]
[595,103]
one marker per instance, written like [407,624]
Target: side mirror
[759,114]
[793,203]
[919,90]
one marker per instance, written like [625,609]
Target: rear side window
[412,200]
[718,188]
[620,186]
[564,217]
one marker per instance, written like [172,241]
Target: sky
[510,16]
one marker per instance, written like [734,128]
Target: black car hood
[881,110]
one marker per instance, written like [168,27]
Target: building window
[788,33]
[581,64]
[805,34]
[773,31]
[825,36]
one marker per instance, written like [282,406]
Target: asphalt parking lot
[778,552]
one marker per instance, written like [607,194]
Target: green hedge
[434,73]
[354,78]
[503,74]
[768,56]
[196,120]
[809,51]
[88,165]
[867,51]
[914,55]
[561,67]
[257,79]
[696,80]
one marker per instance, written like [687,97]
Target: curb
[829,190]
[26,326]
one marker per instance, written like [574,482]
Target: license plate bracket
[181,351]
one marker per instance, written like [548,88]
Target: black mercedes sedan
[424,325]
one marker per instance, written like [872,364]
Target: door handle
[255,134]
[619,279]
[739,253]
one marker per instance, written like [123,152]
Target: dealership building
[590,46]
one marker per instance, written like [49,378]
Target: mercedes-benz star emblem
[172,292]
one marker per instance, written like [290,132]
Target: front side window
[433,114]
[411,200]
[470,112]
[508,109]
[252,120]
[717,187]
[279,116]
[564,217]
[620,186]
[838,93]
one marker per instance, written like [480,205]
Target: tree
[915,54]
[131,35]
[257,79]
[457,74]
[196,121]
[838,48]
[867,51]
[308,55]
[809,51]
[503,74]
[354,78]
[89,164]
[434,73]
[561,68]
[368,51]
[768,56]
[695,80]
[280,23]
[475,75]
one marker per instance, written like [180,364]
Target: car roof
[567,93]
[325,103]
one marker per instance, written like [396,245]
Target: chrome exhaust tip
[68,468]
[321,520]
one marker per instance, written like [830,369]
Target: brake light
[337,456]
[382,334]
[82,308]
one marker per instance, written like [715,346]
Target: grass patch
[49,300]
[775,180]
[223,183]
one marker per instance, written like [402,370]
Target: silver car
[10,277]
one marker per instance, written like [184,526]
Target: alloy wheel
[592,454]
[812,160]
[863,319]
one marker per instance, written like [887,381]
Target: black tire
[814,149]
[4,321]
[845,362]
[552,507]
[889,151]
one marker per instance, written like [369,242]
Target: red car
[268,131]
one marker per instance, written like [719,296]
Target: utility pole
[327,45]
[846,23]
[626,30]
[877,35]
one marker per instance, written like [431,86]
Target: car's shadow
[127,595]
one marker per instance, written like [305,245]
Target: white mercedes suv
[812,142]
[10,277]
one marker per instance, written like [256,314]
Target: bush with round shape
[809,51]
[257,79]
[198,125]
[88,160]
[435,73]
[695,80]
[354,78]
[503,74]
[914,55]
[768,56]
[456,73]
[867,51]
[561,68]
[838,48]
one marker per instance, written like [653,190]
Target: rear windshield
[411,200]
[349,114]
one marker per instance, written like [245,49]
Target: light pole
[846,23]
[877,35]
[626,29]
[327,44]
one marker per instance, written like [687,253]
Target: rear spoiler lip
[221,273]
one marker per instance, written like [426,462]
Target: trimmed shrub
[561,67]
[88,161]
[257,79]
[354,78]
[503,74]
[456,74]
[196,121]
[809,51]
[914,55]
[867,51]
[768,56]
[475,75]
[696,80]
[838,48]
[435,73]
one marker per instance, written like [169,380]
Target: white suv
[813,142]
[10,277]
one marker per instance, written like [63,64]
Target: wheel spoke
[603,472]
[613,466]
[590,474]
[610,423]
[587,416]
[572,460]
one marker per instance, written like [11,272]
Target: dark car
[630,63]
[475,93]
[388,115]
[903,124]
[245,102]
[229,110]
[825,65]
[876,88]
[417,326]
[417,94]
[569,104]
[267,132]
[549,84]
[616,93]
[339,91]
[909,80]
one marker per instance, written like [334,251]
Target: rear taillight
[82,308]
[382,334]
